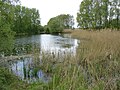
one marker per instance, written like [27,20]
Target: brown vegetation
[95,67]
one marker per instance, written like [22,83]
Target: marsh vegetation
[95,65]
[87,58]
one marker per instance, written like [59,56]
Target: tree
[6,22]
[85,15]
[114,14]
[67,20]
[98,14]
[6,39]
[16,19]
[54,25]
[59,23]
[26,20]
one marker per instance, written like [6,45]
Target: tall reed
[95,67]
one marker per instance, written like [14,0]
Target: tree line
[26,20]
[20,19]
[99,14]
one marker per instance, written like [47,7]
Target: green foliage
[10,82]
[6,34]
[46,29]
[6,39]
[38,86]
[98,14]
[60,22]
[5,79]
[55,26]
[21,19]
[67,20]
[16,19]
[26,20]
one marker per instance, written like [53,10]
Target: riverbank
[95,67]
[8,58]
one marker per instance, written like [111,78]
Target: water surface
[51,43]
[55,44]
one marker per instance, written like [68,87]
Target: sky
[52,8]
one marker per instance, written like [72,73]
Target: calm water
[50,43]
[25,68]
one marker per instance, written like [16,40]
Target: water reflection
[27,71]
[56,45]
[50,43]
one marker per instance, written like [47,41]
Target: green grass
[9,81]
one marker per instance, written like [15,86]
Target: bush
[9,81]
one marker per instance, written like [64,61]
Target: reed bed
[95,67]
[99,52]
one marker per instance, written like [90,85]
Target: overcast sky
[52,8]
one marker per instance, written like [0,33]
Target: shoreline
[12,58]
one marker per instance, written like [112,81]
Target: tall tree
[60,22]
[26,20]
[6,22]
[114,14]
[67,20]
[86,15]
[54,25]
[99,14]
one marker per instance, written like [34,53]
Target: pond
[50,43]
[24,68]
